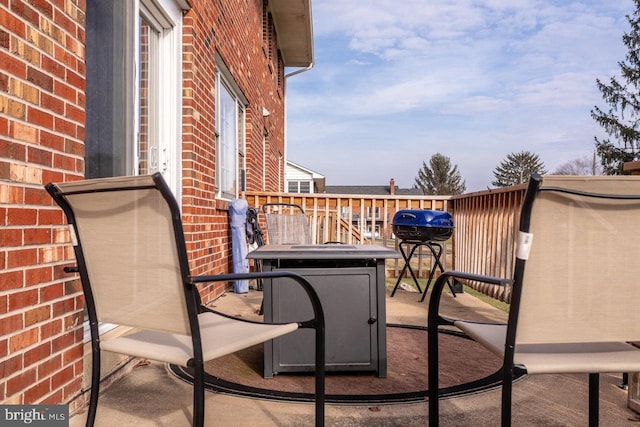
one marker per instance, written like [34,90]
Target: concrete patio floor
[151,396]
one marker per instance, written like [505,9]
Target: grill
[422,225]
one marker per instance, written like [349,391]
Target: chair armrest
[318,321]
[433,317]
[72,269]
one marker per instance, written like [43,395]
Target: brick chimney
[392,186]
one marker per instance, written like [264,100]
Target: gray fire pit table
[350,281]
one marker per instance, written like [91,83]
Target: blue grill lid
[423,218]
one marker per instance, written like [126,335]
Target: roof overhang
[294,27]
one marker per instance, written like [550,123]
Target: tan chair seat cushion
[220,336]
[557,358]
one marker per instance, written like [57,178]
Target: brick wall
[233,30]
[42,78]
[42,125]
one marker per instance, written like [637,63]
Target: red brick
[22,257]
[13,150]
[51,140]
[61,343]
[10,237]
[34,355]
[10,366]
[12,23]
[39,157]
[37,315]
[53,176]
[51,292]
[50,329]
[75,113]
[74,147]
[50,365]
[64,162]
[72,287]
[36,196]
[25,12]
[63,377]
[4,305]
[21,216]
[50,217]
[18,300]
[11,324]
[65,91]
[11,280]
[38,117]
[43,6]
[38,391]
[34,276]
[52,103]
[53,67]
[24,339]
[40,79]
[4,347]
[37,236]
[4,39]
[73,354]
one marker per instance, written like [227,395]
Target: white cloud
[473,79]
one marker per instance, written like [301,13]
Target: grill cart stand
[436,251]
[417,228]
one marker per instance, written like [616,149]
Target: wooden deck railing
[483,242]
[357,219]
[486,227]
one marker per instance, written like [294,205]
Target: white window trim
[224,77]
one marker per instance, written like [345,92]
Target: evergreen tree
[622,121]
[516,169]
[439,177]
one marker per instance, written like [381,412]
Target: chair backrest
[581,281]
[286,224]
[126,249]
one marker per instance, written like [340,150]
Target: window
[133,50]
[230,133]
[299,187]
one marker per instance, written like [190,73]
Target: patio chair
[286,224]
[132,259]
[574,294]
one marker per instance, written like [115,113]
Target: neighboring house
[373,221]
[194,89]
[299,179]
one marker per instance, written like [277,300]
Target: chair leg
[432,362]
[507,392]
[594,394]
[95,385]
[198,395]
[320,375]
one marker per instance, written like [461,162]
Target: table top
[326,251]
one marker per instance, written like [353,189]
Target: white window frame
[230,143]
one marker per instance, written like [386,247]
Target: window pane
[292,187]
[227,143]
[147,117]
[305,187]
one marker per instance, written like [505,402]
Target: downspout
[286,115]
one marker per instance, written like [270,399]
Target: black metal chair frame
[509,370]
[194,306]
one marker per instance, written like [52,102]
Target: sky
[395,82]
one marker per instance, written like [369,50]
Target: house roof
[292,19]
[374,190]
[311,173]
